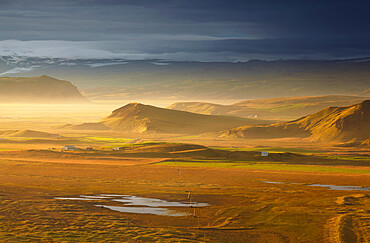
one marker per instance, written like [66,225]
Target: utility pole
[189,196]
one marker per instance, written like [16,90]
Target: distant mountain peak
[140,118]
[41,89]
[130,109]
[104,79]
[45,76]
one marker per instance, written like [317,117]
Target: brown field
[227,174]
[242,207]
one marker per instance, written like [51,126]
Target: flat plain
[250,198]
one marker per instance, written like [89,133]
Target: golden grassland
[227,174]
[242,208]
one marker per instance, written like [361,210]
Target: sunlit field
[195,121]
[248,197]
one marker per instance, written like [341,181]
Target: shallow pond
[144,210]
[272,182]
[76,198]
[151,205]
[343,188]
[331,187]
[154,202]
[95,197]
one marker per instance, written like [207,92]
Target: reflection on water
[94,197]
[144,210]
[272,182]
[152,205]
[343,188]
[75,198]
[113,195]
[154,202]
[331,187]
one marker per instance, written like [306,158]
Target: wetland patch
[331,187]
[343,188]
[144,210]
[138,205]
[154,202]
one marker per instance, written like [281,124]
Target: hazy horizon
[184,121]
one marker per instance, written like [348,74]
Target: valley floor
[249,201]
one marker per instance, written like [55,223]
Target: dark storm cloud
[235,28]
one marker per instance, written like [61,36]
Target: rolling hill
[28,133]
[42,89]
[139,118]
[275,108]
[350,123]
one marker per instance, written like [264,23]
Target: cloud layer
[207,30]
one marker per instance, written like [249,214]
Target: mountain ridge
[42,89]
[139,118]
[273,108]
[157,79]
[344,124]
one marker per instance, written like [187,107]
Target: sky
[186,30]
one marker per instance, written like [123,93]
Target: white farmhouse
[264,153]
[70,148]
